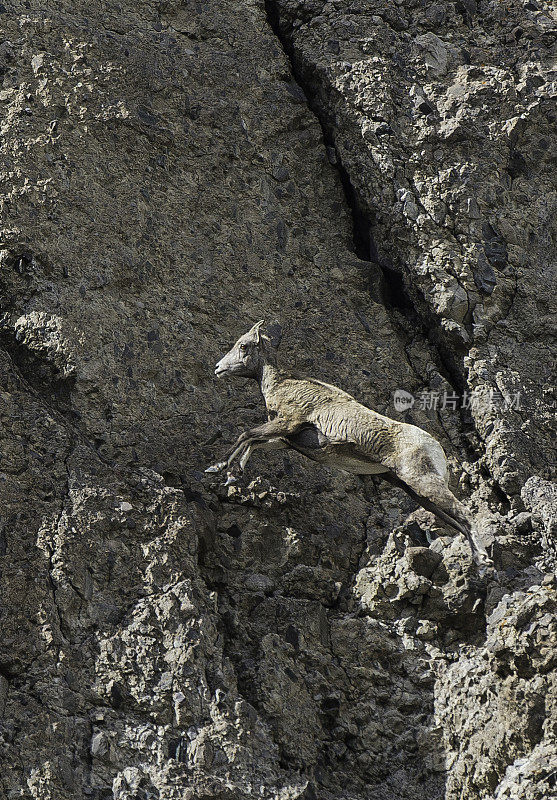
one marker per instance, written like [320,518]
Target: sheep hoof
[486,569]
[216,467]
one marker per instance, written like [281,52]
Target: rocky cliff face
[380,177]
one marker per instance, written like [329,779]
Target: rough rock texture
[379,177]
[444,117]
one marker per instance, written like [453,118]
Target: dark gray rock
[165,185]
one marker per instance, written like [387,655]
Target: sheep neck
[268,378]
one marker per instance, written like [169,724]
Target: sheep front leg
[221,465]
[269,435]
[218,467]
[271,444]
[230,454]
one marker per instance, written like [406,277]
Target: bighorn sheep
[329,426]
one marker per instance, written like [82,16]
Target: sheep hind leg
[431,493]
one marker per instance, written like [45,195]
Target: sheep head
[251,352]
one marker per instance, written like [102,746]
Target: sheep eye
[243,348]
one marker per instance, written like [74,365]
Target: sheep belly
[312,443]
[355,465]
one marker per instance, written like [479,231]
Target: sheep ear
[256,329]
[273,333]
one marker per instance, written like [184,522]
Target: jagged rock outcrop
[443,116]
[303,634]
